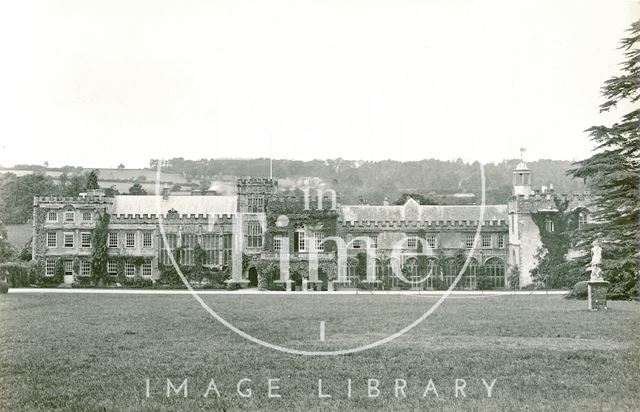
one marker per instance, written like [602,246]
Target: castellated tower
[524,234]
[254,194]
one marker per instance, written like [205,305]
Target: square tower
[254,194]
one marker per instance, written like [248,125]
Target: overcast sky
[98,83]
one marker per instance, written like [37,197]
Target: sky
[99,83]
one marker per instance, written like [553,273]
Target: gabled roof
[184,205]
[412,211]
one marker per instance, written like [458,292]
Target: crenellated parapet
[177,218]
[433,225]
[299,203]
[251,184]
[548,202]
[72,200]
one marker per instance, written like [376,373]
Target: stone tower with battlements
[254,194]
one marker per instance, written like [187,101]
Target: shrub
[514,277]
[213,286]
[137,283]
[83,281]
[483,280]
[580,290]
[233,286]
[16,273]
[169,276]
[4,287]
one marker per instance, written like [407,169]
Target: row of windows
[68,239]
[301,241]
[130,239]
[494,269]
[129,268]
[255,204]
[85,268]
[301,238]
[486,241]
[69,216]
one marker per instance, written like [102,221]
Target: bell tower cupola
[522,179]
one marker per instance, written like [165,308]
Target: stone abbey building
[304,237]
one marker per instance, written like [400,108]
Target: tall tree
[612,176]
[92,180]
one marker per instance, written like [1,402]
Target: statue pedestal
[330,287]
[597,294]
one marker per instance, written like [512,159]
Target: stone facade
[252,229]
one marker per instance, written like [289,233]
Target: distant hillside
[436,181]
[376,180]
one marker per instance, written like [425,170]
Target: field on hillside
[96,352]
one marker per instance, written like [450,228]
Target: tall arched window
[450,271]
[495,271]
[411,266]
[352,266]
[468,280]
[379,270]
[432,273]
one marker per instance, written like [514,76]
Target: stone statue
[596,261]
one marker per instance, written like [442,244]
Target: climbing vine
[553,270]
[99,254]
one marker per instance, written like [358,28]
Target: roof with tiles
[412,211]
[184,205]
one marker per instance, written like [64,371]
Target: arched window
[450,271]
[468,280]
[411,270]
[432,273]
[379,269]
[352,266]
[495,271]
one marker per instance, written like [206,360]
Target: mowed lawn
[96,352]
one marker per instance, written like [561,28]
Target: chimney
[551,187]
[165,193]
[543,189]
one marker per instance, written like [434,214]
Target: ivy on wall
[553,270]
[99,254]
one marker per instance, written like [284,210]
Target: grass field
[95,352]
